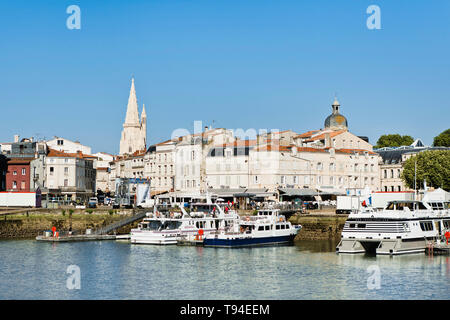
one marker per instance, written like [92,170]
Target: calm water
[308,270]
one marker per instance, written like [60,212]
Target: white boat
[268,227]
[163,227]
[401,227]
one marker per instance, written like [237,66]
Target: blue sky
[240,63]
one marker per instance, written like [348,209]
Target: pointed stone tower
[134,131]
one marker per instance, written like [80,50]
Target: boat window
[421,206]
[352,225]
[154,225]
[261,228]
[390,206]
[287,226]
[446,224]
[361,225]
[267,227]
[277,227]
[171,225]
[283,226]
[437,205]
[447,205]
[403,205]
[426,225]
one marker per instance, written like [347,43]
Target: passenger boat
[401,227]
[268,227]
[164,227]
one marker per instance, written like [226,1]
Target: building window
[52,169]
[22,185]
[14,185]
[193,155]
[14,173]
[392,175]
[66,182]
[332,180]
[66,171]
[319,166]
[283,179]
[24,171]
[295,179]
[256,179]
[385,174]
[60,142]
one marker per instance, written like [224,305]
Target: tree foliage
[443,139]
[432,166]
[394,140]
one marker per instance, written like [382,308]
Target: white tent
[437,195]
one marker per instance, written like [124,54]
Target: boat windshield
[170,225]
[151,225]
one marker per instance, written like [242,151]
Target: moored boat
[401,227]
[268,227]
[166,228]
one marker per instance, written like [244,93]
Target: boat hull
[248,242]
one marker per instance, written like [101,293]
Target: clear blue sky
[242,63]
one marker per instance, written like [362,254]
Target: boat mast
[415,179]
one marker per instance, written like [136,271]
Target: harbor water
[306,270]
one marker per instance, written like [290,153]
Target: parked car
[92,202]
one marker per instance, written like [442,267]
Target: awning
[332,192]
[226,192]
[291,192]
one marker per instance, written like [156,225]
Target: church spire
[132,116]
[143,114]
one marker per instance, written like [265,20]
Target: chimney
[327,140]
[16,138]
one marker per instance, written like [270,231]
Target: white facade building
[68,146]
[70,174]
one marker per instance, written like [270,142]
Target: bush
[111,212]
[63,212]
[89,211]
[71,211]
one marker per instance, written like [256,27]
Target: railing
[121,223]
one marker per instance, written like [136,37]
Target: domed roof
[336,120]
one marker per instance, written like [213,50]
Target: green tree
[443,139]
[394,140]
[432,166]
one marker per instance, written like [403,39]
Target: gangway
[121,223]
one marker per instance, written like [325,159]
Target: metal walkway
[121,223]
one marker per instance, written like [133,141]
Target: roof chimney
[16,138]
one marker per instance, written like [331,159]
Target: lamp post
[309,165]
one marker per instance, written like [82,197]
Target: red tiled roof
[307,134]
[322,136]
[19,160]
[62,154]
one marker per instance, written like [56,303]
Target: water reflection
[307,270]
